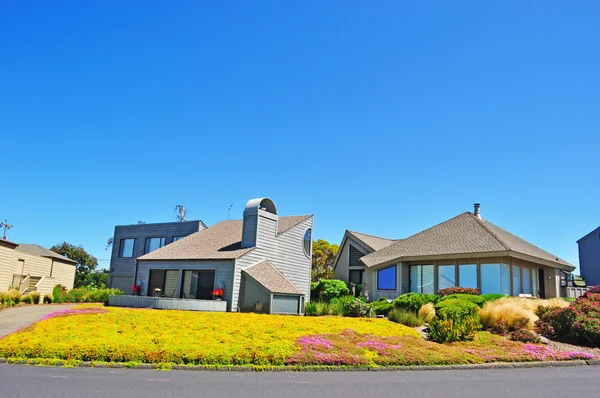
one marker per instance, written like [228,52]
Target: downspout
[135,273]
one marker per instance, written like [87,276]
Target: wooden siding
[249,228]
[285,251]
[224,274]
[46,285]
[7,267]
[64,274]
[36,266]
[139,232]
[345,262]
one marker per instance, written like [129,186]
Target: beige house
[465,251]
[30,268]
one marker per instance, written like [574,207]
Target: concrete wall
[125,267]
[589,258]
[224,274]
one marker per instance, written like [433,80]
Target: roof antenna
[229,211]
[182,212]
[6,227]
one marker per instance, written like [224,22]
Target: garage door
[122,282]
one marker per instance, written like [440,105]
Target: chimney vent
[476,211]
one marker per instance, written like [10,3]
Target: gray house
[261,263]
[464,251]
[589,257]
[132,241]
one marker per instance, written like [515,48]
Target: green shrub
[455,309]
[26,299]
[357,309]
[477,300]
[14,296]
[382,307]
[47,299]
[4,297]
[414,301]
[458,290]
[405,317]
[322,308]
[59,294]
[314,290]
[332,288]
[310,309]
[449,330]
[524,336]
[35,296]
[336,308]
[492,296]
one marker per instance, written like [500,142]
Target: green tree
[85,261]
[96,279]
[323,256]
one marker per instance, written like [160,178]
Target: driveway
[19,317]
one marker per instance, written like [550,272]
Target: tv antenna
[181,212]
[6,227]
[229,211]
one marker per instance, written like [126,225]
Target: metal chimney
[477,213]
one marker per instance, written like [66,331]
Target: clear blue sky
[381,117]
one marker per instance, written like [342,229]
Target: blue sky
[381,117]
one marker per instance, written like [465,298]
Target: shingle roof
[221,241]
[463,234]
[38,250]
[374,242]
[271,278]
[8,243]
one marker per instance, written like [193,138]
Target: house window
[163,283]
[421,279]
[307,242]
[467,275]
[355,256]
[198,284]
[153,244]
[495,278]
[526,280]
[126,249]
[516,277]
[176,238]
[534,280]
[357,276]
[446,276]
[386,278]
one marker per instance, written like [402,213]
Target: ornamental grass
[510,311]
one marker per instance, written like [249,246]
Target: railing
[575,292]
[16,281]
[37,285]
[167,303]
[26,283]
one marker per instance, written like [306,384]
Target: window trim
[182,280]
[132,248]
[395,278]
[309,253]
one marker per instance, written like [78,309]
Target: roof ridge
[373,236]
[482,223]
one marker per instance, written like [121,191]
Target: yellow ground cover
[180,337]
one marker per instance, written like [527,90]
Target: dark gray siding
[589,258]
[124,267]
[254,293]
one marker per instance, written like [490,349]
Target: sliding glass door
[422,279]
[198,284]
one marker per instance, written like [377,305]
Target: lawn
[95,333]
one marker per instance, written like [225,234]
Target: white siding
[36,266]
[224,274]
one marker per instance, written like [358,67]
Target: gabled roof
[591,233]
[374,242]
[271,278]
[38,250]
[463,234]
[6,242]
[222,241]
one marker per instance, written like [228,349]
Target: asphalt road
[45,382]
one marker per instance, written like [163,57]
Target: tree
[323,256]
[85,261]
[96,279]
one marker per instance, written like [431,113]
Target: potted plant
[217,294]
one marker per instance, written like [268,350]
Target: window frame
[307,252]
[395,267]
[132,247]
[454,271]
[176,238]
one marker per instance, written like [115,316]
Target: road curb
[233,368]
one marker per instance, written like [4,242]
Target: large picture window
[495,278]
[421,279]
[467,275]
[446,276]
[526,280]
[163,283]
[516,277]
[386,278]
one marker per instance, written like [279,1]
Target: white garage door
[122,282]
